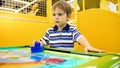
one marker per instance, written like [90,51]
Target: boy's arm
[44,40]
[83,41]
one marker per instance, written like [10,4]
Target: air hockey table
[21,57]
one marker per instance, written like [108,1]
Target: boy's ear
[69,15]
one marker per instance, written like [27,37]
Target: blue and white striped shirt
[61,39]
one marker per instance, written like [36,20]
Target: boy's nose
[56,17]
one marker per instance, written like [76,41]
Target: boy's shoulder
[50,29]
[73,27]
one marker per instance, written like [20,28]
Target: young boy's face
[60,17]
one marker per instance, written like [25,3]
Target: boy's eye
[60,14]
[53,14]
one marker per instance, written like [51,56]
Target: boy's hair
[64,6]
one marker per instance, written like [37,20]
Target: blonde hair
[64,6]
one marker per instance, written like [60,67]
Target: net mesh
[34,7]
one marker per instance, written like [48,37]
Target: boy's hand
[33,43]
[87,49]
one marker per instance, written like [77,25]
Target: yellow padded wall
[101,28]
[20,32]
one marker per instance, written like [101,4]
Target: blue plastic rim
[37,48]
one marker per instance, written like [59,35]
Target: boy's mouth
[56,21]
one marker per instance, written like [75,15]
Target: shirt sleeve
[76,34]
[45,38]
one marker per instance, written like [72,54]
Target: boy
[63,35]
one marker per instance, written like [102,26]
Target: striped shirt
[61,39]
